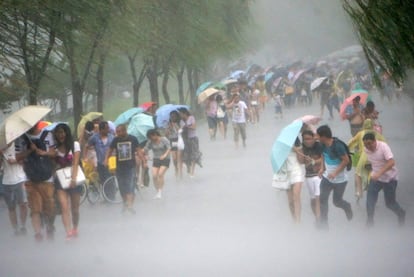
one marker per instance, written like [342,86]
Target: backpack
[349,164]
[38,168]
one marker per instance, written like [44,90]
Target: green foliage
[385,30]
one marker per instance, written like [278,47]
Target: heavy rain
[222,215]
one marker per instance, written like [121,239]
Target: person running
[384,176]
[369,112]
[359,158]
[125,147]
[222,118]
[353,113]
[211,114]
[240,111]
[101,142]
[313,160]
[14,194]
[68,154]
[172,133]
[191,152]
[334,177]
[160,147]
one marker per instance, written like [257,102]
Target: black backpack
[38,168]
[337,140]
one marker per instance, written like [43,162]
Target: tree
[385,30]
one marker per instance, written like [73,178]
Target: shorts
[158,163]
[41,198]
[313,184]
[14,194]
[296,176]
[212,122]
[126,182]
[173,143]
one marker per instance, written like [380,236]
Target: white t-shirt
[76,148]
[12,173]
[239,112]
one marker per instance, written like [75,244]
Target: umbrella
[348,101]
[124,117]
[229,81]
[317,82]
[203,87]
[139,125]
[91,116]
[237,74]
[284,143]
[20,122]
[268,76]
[276,82]
[163,113]
[206,94]
[297,75]
[311,120]
[146,105]
[53,125]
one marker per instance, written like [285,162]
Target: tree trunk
[137,81]
[152,76]
[100,82]
[180,80]
[191,87]
[165,78]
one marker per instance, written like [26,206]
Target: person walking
[239,113]
[125,147]
[40,189]
[160,147]
[172,133]
[101,142]
[313,160]
[68,154]
[191,152]
[384,176]
[333,174]
[211,114]
[222,117]
[353,113]
[15,195]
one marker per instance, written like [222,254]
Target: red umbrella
[146,105]
[348,101]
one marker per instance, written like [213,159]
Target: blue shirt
[332,156]
[100,146]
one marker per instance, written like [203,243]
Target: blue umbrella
[124,117]
[284,143]
[163,114]
[237,74]
[139,125]
[203,87]
[268,76]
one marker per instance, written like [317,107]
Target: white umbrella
[20,122]
[317,82]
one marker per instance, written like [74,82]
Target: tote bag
[64,176]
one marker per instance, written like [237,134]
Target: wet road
[229,221]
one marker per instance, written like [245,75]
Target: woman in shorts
[172,132]
[161,148]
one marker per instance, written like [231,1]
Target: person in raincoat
[359,158]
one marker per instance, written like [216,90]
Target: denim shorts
[14,194]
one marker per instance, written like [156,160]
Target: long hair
[68,143]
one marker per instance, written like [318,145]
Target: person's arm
[167,152]
[388,165]
[75,164]
[341,166]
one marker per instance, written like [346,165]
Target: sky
[306,29]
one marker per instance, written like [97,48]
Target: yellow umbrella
[91,116]
[206,94]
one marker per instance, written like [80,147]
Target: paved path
[228,221]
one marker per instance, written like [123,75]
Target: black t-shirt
[125,151]
[315,152]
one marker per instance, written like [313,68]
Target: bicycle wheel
[93,193]
[83,192]
[111,191]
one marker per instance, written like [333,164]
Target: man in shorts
[126,147]
[14,179]
[313,161]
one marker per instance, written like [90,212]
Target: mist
[228,220]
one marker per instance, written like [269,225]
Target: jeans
[338,191]
[389,188]
[126,182]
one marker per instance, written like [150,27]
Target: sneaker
[38,237]
[349,214]
[158,195]
[401,218]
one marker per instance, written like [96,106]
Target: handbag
[64,176]
[180,142]
[280,179]
[220,113]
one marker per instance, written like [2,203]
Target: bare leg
[64,206]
